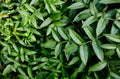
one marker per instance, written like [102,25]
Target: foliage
[59,39]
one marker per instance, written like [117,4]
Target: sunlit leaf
[99,66]
[76,5]
[115,38]
[76,38]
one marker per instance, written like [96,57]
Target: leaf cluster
[59,39]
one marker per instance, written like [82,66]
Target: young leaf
[58,49]
[109,1]
[56,35]
[101,25]
[63,33]
[7,69]
[115,38]
[98,51]
[109,46]
[76,5]
[99,66]
[89,31]
[73,61]
[84,53]
[46,23]
[89,21]
[76,38]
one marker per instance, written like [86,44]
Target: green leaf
[63,33]
[58,49]
[21,71]
[114,75]
[29,70]
[58,2]
[76,5]
[49,30]
[84,53]
[89,31]
[29,7]
[118,51]
[114,29]
[53,7]
[98,51]
[93,9]
[99,66]
[74,75]
[60,24]
[56,35]
[33,21]
[22,77]
[115,38]
[33,2]
[76,38]
[49,44]
[24,13]
[70,49]
[56,16]
[82,15]
[89,21]
[109,46]
[46,23]
[110,53]
[6,70]
[73,61]
[15,47]
[81,67]
[109,1]
[48,8]
[38,15]
[28,52]
[117,23]
[101,25]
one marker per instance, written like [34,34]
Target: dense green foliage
[59,39]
